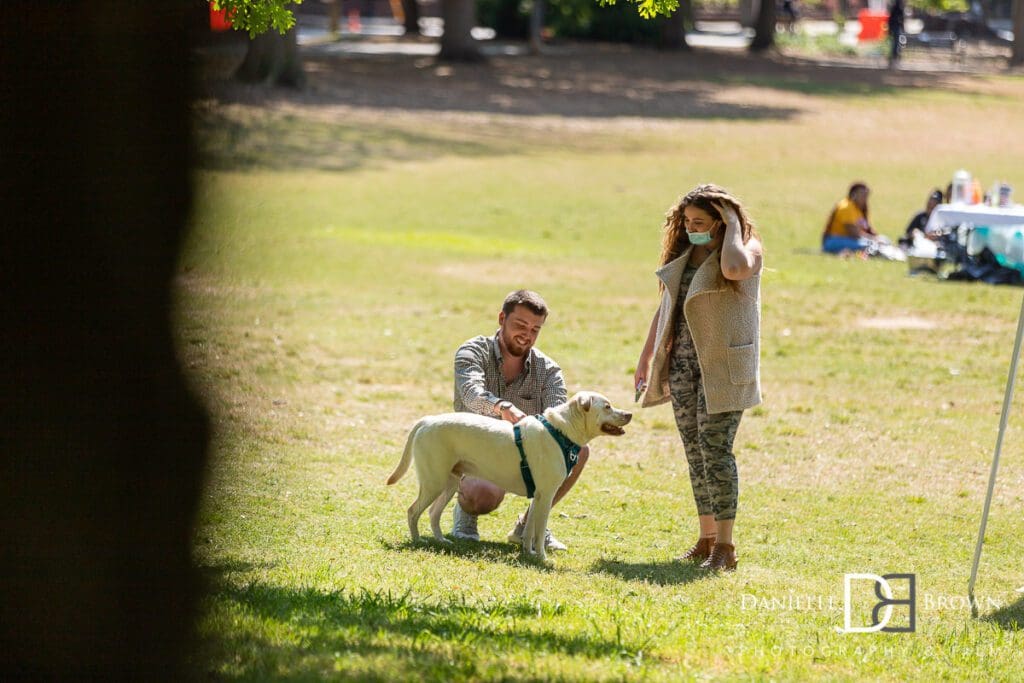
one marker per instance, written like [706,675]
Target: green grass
[323,293]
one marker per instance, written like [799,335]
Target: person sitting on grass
[506,377]
[847,228]
[920,219]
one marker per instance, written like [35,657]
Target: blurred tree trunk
[273,59]
[673,30]
[103,448]
[411,17]
[457,43]
[537,26]
[1017,57]
[764,28]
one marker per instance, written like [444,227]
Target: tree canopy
[260,16]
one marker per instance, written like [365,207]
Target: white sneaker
[464,527]
[550,542]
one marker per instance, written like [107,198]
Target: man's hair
[525,297]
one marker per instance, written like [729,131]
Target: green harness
[570,452]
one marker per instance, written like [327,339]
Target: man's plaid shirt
[479,383]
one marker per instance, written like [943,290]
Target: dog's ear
[584,401]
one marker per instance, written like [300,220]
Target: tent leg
[1007,400]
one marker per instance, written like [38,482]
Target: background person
[920,219]
[790,15]
[506,377]
[847,228]
[702,352]
[895,25]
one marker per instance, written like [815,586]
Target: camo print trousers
[707,439]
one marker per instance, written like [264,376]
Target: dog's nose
[629,416]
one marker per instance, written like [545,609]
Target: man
[920,220]
[848,228]
[895,24]
[505,377]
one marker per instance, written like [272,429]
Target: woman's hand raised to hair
[728,214]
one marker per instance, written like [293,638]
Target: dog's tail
[403,465]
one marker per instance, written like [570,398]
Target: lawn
[343,247]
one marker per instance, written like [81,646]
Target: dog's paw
[443,541]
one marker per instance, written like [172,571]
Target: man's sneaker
[465,525]
[550,542]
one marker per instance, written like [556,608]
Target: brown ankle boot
[722,558]
[700,551]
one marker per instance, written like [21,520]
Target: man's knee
[478,497]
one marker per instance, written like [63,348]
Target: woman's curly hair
[675,241]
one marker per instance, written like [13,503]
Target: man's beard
[514,349]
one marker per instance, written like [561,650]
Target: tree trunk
[457,44]
[537,27]
[411,18]
[273,59]
[1017,57]
[764,29]
[673,31]
[748,13]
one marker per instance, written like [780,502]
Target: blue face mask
[700,238]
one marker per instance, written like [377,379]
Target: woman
[702,352]
[847,227]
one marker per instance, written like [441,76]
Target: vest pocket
[742,364]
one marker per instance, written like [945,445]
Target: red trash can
[219,21]
[873,24]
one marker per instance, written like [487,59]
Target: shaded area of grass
[295,632]
[239,140]
[490,551]
[665,573]
[1010,617]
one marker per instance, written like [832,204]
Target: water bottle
[1005,195]
[961,187]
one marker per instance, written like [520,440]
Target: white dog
[444,447]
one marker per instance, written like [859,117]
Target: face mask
[700,238]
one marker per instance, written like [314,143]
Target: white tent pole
[1007,400]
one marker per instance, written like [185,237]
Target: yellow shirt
[846,212]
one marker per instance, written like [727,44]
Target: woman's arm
[739,261]
[642,365]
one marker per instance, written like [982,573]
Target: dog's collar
[570,450]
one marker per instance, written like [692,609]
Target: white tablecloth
[951,215]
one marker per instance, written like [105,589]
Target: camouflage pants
[707,439]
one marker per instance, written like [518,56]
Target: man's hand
[512,414]
[509,412]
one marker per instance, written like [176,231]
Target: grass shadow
[1009,617]
[232,140]
[664,573]
[504,553]
[213,575]
[412,633]
[583,81]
